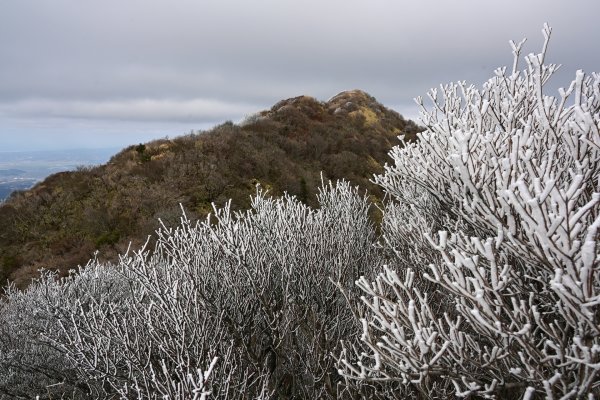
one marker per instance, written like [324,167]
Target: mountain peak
[356,105]
[287,149]
[359,104]
[352,95]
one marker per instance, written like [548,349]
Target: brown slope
[60,222]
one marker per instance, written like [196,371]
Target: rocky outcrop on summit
[355,104]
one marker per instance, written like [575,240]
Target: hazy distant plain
[21,170]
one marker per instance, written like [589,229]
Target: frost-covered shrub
[271,276]
[32,362]
[25,360]
[240,306]
[504,300]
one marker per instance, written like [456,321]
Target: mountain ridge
[62,220]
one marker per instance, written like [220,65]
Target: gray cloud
[194,110]
[128,65]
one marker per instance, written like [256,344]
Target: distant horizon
[62,149]
[98,138]
[20,170]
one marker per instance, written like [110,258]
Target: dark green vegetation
[61,222]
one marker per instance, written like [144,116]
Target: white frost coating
[529,393]
[509,177]
[265,291]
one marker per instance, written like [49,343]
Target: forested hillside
[61,222]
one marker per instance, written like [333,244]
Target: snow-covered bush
[28,366]
[506,301]
[32,362]
[240,306]
[256,290]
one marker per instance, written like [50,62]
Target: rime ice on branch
[242,305]
[505,299]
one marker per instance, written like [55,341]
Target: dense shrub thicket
[250,297]
[490,285]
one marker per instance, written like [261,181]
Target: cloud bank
[124,66]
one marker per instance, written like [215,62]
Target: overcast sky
[109,73]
